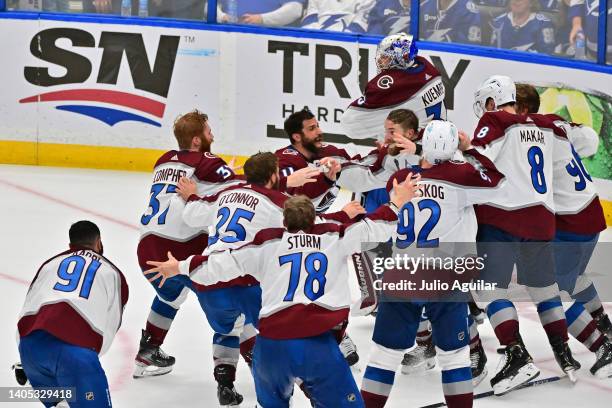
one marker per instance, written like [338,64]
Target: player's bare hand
[353,209]
[404,145]
[333,167]
[163,270]
[302,176]
[251,19]
[464,141]
[186,187]
[406,190]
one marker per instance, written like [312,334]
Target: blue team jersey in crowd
[589,11]
[537,34]
[550,6]
[389,17]
[459,23]
[257,6]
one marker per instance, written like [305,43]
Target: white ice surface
[38,205]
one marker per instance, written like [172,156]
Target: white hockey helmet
[396,51]
[440,141]
[500,88]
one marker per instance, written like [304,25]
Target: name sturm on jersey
[433,94]
[304,241]
[170,174]
[532,135]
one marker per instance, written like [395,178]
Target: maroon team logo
[385,82]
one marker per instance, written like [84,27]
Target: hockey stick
[490,393]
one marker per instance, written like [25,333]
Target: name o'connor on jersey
[240,198]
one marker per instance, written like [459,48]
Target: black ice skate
[517,369]
[226,393]
[478,360]
[349,350]
[603,365]
[564,358]
[477,313]
[20,375]
[603,324]
[421,358]
[151,360]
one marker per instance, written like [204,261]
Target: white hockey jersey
[304,276]
[162,228]
[521,147]
[77,296]
[445,212]
[576,201]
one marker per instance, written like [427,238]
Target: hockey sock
[552,318]
[586,294]
[247,342]
[474,336]
[159,321]
[504,319]
[226,349]
[456,377]
[380,375]
[581,325]
[423,332]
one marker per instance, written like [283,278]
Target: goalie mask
[396,51]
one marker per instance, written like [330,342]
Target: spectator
[450,21]
[389,17]
[523,29]
[185,9]
[584,16]
[262,12]
[338,15]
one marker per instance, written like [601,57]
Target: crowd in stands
[557,27]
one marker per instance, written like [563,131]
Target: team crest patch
[89,396]
[385,82]
[461,336]
[351,397]
[209,155]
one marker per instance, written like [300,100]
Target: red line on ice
[124,339]
[67,204]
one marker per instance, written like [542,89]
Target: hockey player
[522,29]
[307,149]
[579,220]
[163,229]
[444,216]
[517,227]
[404,81]
[389,17]
[71,314]
[349,16]
[237,214]
[303,273]
[455,21]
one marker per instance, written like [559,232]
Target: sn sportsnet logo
[96,100]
